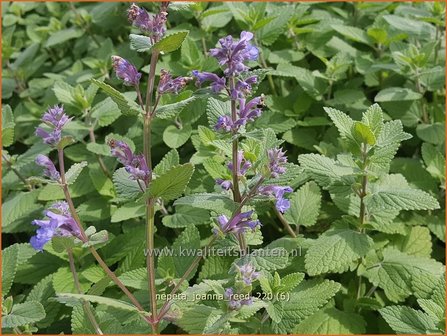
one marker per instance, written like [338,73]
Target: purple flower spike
[248,273]
[56,118]
[135,165]
[155,26]
[224,123]
[277,160]
[50,170]
[242,164]
[126,71]
[232,54]
[168,84]
[278,192]
[217,83]
[243,87]
[59,223]
[239,223]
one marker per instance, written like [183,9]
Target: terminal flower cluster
[56,119]
[152,25]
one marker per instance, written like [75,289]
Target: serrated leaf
[393,192]
[406,320]
[266,259]
[342,121]
[71,300]
[140,43]
[332,321]
[176,137]
[124,185]
[434,161]
[185,216]
[126,106]
[171,159]
[74,171]
[305,205]
[397,94]
[395,272]
[306,299]
[363,134]
[10,262]
[171,184]
[169,111]
[214,202]
[170,42]
[335,250]
[8,125]
[353,33]
[19,206]
[323,169]
[23,313]
[216,108]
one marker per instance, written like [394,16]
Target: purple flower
[135,165]
[278,192]
[126,71]
[50,170]
[232,54]
[248,273]
[277,160]
[238,223]
[234,302]
[249,111]
[168,84]
[56,118]
[242,164]
[224,123]
[225,184]
[217,83]
[153,25]
[59,223]
[243,88]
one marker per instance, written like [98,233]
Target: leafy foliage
[353,91]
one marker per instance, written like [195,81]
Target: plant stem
[150,262]
[285,223]
[150,210]
[15,171]
[362,214]
[164,309]
[84,237]
[419,89]
[234,171]
[85,304]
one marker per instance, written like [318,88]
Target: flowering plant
[168,189]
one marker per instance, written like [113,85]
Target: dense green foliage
[355,92]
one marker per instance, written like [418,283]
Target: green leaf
[416,242]
[8,125]
[194,320]
[393,192]
[185,216]
[332,321]
[290,281]
[74,299]
[305,205]
[10,262]
[171,159]
[126,106]
[373,118]
[306,299]
[170,42]
[216,108]
[176,137]
[62,36]
[335,250]
[342,121]
[140,43]
[169,111]
[434,161]
[394,273]
[19,206]
[353,33]
[432,133]
[74,171]
[406,320]
[266,259]
[324,170]
[126,188]
[173,183]
[363,134]
[275,26]
[128,211]
[214,202]
[23,314]
[397,94]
